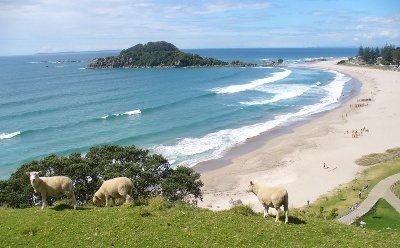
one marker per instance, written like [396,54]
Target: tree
[360,51]
[151,175]
[181,183]
[396,57]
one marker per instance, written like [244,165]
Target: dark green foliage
[157,54]
[151,175]
[341,62]
[151,47]
[334,213]
[182,183]
[389,55]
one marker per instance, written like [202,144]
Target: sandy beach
[296,160]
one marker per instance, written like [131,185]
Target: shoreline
[293,156]
[256,142]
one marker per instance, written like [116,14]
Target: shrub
[151,175]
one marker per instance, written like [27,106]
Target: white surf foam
[9,135]
[192,150]
[258,82]
[281,92]
[133,112]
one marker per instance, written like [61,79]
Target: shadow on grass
[62,207]
[296,221]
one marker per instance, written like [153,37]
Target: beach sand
[295,160]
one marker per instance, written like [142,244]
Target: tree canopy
[157,54]
[151,175]
[389,54]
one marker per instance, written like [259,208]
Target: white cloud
[57,25]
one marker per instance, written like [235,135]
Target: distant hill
[158,54]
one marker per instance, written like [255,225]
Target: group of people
[358,105]
[356,133]
[352,208]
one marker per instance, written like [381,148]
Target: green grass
[396,190]
[383,217]
[176,226]
[157,223]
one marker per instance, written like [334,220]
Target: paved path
[381,190]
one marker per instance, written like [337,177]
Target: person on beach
[359,194]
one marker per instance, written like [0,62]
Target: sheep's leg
[286,218]
[107,199]
[278,210]
[44,202]
[286,209]
[74,200]
[266,208]
[127,198]
[72,196]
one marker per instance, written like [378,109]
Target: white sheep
[56,186]
[271,197]
[120,187]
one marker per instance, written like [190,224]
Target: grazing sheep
[271,197]
[51,186]
[120,187]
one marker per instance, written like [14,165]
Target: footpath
[381,190]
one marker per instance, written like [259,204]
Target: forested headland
[158,54]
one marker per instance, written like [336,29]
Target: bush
[151,175]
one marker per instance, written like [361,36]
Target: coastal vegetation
[151,174]
[387,55]
[158,54]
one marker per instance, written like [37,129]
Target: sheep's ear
[40,173]
[28,173]
[251,182]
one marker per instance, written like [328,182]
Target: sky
[45,26]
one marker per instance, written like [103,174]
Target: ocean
[51,104]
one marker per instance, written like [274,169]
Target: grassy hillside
[160,224]
[156,225]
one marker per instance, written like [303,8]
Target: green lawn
[383,217]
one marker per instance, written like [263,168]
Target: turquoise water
[51,104]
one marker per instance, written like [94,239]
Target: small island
[159,54]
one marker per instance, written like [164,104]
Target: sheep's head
[97,199]
[33,176]
[250,187]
